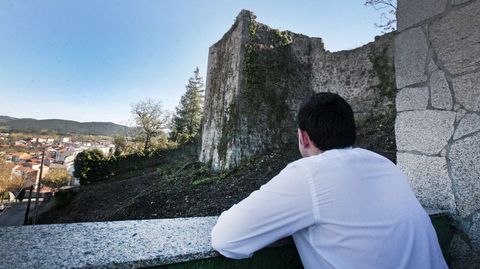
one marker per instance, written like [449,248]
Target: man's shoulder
[334,156]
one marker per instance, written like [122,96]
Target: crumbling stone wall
[437,61]
[223,83]
[258,77]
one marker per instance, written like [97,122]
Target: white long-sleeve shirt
[345,208]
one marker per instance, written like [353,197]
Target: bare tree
[388,15]
[150,118]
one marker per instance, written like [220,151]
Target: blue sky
[89,60]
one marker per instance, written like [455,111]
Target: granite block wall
[437,63]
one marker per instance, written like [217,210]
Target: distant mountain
[6,118]
[62,126]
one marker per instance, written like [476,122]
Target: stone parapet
[160,243]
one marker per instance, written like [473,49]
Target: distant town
[25,155]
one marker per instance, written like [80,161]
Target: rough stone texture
[456,39]
[411,12]
[441,97]
[463,256]
[365,78]
[460,114]
[454,52]
[432,67]
[258,77]
[470,123]
[119,244]
[350,73]
[410,57]
[458,2]
[474,232]
[464,158]
[424,131]
[428,177]
[467,91]
[412,99]
[222,85]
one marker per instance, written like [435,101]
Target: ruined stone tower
[258,77]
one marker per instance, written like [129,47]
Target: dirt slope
[179,188]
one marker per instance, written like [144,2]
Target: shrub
[89,166]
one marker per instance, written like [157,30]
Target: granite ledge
[118,244]
[433,212]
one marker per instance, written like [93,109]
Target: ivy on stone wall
[268,71]
[378,126]
[268,63]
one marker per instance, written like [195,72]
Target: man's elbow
[218,243]
[224,245]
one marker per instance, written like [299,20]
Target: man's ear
[303,138]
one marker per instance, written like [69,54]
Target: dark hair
[328,120]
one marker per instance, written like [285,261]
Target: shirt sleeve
[278,209]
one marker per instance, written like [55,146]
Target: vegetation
[177,186]
[89,166]
[120,143]
[377,129]
[150,119]
[63,198]
[135,143]
[9,182]
[56,178]
[186,124]
[388,15]
[62,127]
[272,77]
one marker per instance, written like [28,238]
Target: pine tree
[186,124]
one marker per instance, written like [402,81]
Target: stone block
[441,97]
[474,232]
[424,131]
[432,66]
[470,123]
[467,91]
[463,256]
[460,114]
[428,177]
[410,57]
[458,2]
[456,38]
[464,159]
[412,99]
[411,12]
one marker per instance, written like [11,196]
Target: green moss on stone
[229,125]
[377,129]
[268,66]
[384,70]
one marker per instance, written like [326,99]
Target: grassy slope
[181,187]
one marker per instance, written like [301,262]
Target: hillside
[5,119]
[178,187]
[62,126]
